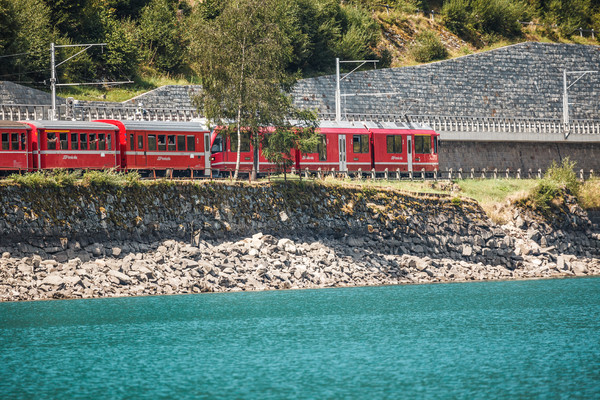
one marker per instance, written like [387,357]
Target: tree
[161,36]
[241,56]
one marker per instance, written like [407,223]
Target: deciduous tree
[241,56]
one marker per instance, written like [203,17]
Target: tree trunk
[239,146]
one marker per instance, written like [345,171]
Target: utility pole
[566,95]
[338,93]
[53,67]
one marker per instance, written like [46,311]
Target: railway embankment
[82,241]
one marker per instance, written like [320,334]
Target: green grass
[124,92]
[490,191]
[589,194]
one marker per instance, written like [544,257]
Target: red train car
[224,154]
[404,146]
[161,146]
[348,146]
[73,145]
[15,147]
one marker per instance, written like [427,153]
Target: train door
[207,153]
[409,150]
[342,147]
[141,155]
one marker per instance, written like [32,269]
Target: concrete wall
[523,80]
[515,155]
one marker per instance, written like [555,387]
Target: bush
[53,178]
[456,16]
[563,175]
[428,47]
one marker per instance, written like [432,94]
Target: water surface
[527,339]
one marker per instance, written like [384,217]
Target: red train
[124,145]
[345,146]
[190,147]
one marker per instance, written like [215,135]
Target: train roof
[72,125]
[396,125]
[167,126]
[341,124]
[13,125]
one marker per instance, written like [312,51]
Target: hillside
[150,41]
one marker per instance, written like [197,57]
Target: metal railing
[447,123]
[440,123]
[27,112]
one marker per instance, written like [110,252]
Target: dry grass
[589,194]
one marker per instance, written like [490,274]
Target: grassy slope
[398,31]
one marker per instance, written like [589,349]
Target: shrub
[456,16]
[428,47]
[563,175]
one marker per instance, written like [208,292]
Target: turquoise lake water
[526,339]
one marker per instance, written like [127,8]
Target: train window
[162,142]
[14,138]
[74,141]
[422,144]
[23,142]
[191,143]
[172,146]
[93,142]
[108,141]
[322,148]
[64,142]
[151,142]
[5,144]
[217,146]
[101,142]
[360,143]
[140,142]
[394,144]
[83,141]
[131,141]
[51,137]
[245,147]
[435,144]
[180,143]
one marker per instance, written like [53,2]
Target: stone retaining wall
[166,238]
[523,80]
[523,155]
[54,218]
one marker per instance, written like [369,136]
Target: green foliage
[456,16]
[108,178]
[161,36]
[241,57]
[279,145]
[49,178]
[563,175]
[25,30]
[548,194]
[428,47]
[122,52]
[545,195]
[490,18]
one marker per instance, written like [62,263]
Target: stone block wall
[12,93]
[523,155]
[522,80]
[170,96]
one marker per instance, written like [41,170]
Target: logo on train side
[396,158]
[163,158]
[67,157]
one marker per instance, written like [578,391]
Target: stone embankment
[87,242]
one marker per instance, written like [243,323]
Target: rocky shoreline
[176,240]
[259,262]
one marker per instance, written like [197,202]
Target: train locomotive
[192,149]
